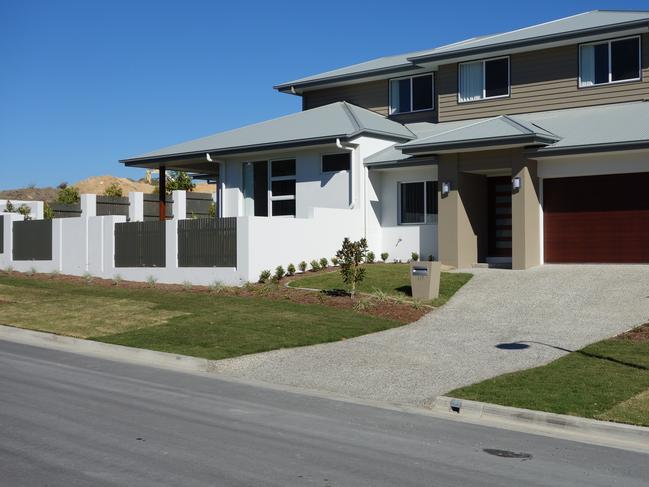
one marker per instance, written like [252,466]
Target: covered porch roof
[318,126]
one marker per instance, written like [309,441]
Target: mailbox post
[424,279]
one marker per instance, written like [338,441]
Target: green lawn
[205,325]
[607,380]
[393,279]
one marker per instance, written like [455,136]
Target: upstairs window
[480,80]
[418,202]
[609,62]
[412,94]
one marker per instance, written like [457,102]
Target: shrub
[334,261]
[68,195]
[151,281]
[179,180]
[9,269]
[431,258]
[279,273]
[212,210]
[48,212]
[187,285]
[264,276]
[352,255]
[384,256]
[25,210]
[31,271]
[324,263]
[414,256]
[302,266]
[216,287]
[315,265]
[370,258]
[87,277]
[54,273]
[114,190]
[9,207]
[290,270]
[117,278]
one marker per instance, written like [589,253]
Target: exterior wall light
[446,188]
[516,183]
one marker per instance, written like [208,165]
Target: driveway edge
[483,411]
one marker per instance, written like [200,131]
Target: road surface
[71,420]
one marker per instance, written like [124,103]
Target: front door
[500,216]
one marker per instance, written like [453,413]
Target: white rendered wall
[36,207]
[401,240]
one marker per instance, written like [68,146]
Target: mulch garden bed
[639,334]
[387,308]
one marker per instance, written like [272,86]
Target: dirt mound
[98,184]
[29,194]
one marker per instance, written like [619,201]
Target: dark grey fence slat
[198,204]
[152,207]
[32,240]
[112,205]
[66,210]
[140,244]
[207,242]
[2,234]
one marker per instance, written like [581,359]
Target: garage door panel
[598,237]
[597,219]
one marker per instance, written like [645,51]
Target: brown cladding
[540,80]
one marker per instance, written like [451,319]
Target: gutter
[476,143]
[590,148]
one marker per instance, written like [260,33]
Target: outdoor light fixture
[446,188]
[516,183]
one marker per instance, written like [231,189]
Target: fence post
[179,206]
[136,206]
[88,205]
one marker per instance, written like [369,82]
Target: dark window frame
[284,177]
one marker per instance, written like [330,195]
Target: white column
[136,206]
[179,208]
[88,205]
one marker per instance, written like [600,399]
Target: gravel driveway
[534,311]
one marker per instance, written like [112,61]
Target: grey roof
[577,25]
[499,130]
[604,127]
[318,125]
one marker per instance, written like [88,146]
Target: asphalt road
[70,420]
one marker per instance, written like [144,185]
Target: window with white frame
[418,202]
[480,80]
[282,187]
[412,94]
[609,61]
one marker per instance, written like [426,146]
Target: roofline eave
[487,143]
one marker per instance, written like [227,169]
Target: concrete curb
[475,410]
[633,438]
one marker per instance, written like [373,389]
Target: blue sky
[85,83]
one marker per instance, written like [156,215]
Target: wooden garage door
[597,219]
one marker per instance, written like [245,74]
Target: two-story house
[529,146]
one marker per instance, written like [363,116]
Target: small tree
[114,190]
[25,210]
[290,270]
[264,276]
[370,257]
[302,266]
[9,207]
[414,256]
[48,212]
[179,180]
[351,256]
[315,265]
[279,273]
[324,263]
[212,210]
[384,256]
[68,195]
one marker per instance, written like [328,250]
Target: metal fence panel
[32,240]
[198,204]
[207,242]
[140,244]
[2,234]
[112,205]
[152,207]
[66,210]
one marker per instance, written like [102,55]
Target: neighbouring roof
[589,129]
[318,125]
[587,23]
